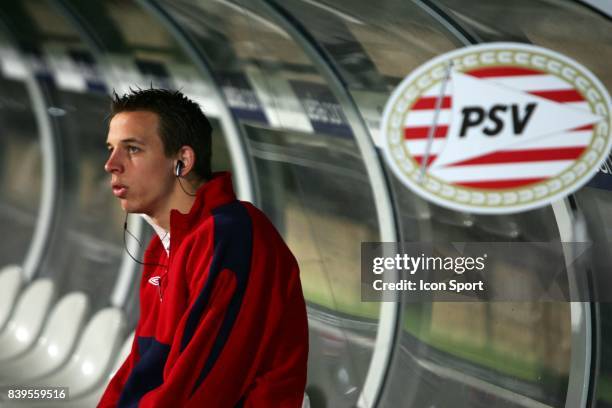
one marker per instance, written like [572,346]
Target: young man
[223,321]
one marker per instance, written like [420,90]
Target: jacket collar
[212,194]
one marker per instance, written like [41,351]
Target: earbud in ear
[179,168]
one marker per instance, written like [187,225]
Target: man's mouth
[119,190]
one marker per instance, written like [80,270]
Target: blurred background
[295,90]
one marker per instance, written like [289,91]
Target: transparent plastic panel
[82,251]
[563,26]
[584,35]
[450,354]
[307,182]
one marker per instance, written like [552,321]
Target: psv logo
[475,115]
[497,128]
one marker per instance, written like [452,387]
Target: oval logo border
[472,200]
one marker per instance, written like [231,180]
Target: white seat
[55,344]
[123,354]
[28,318]
[92,398]
[306,401]
[94,354]
[10,285]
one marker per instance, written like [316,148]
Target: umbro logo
[154,280]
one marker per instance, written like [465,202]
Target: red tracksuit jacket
[231,329]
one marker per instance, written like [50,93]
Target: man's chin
[129,207]
[134,208]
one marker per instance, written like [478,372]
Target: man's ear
[187,156]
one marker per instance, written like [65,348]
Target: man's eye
[133,149]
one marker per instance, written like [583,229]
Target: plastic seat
[27,319]
[91,399]
[10,286]
[93,356]
[123,353]
[55,344]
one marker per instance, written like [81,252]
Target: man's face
[141,174]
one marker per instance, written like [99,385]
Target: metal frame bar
[453,27]
[49,197]
[50,172]
[389,311]
[602,6]
[581,316]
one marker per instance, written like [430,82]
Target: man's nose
[113,164]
